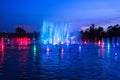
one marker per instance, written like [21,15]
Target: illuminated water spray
[55,33]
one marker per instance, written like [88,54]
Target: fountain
[55,33]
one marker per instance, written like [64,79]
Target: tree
[20,30]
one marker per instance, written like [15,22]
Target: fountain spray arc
[54,33]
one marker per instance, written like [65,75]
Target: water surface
[85,62]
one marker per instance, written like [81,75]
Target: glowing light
[34,48]
[85,42]
[103,43]
[102,46]
[22,42]
[74,42]
[62,50]
[25,40]
[115,54]
[79,48]
[108,46]
[62,42]
[67,41]
[48,49]
[99,42]
[2,44]
[34,52]
[117,43]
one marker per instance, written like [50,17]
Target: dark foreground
[87,62]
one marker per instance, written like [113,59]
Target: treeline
[14,35]
[93,34]
[20,32]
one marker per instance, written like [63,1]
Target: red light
[22,42]
[2,46]
[25,40]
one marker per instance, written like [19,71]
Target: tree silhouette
[91,34]
[20,30]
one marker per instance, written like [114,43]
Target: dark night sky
[31,13]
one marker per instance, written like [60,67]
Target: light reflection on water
[1,59]
[34,52]
[86,61]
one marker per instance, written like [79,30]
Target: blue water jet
[56,33]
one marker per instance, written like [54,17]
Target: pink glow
[102,46]
[117,43]
[85,42]
[62,50]
[103,43]
[2,44]
[99,42]
[67,41]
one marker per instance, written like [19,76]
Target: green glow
[34,52]
[34,49]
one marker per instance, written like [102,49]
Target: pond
[43,62]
